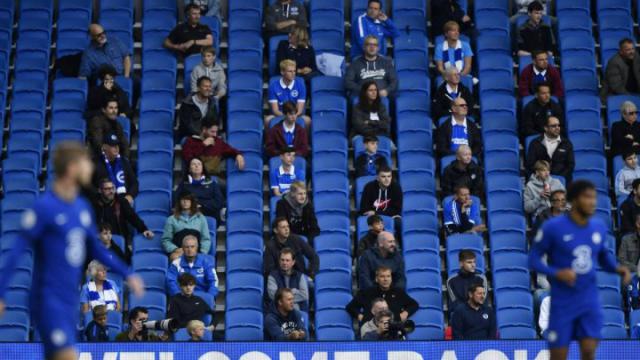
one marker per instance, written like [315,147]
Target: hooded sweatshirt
[372,259]
[534,203]
[381,70]
[383,201]
[278,326]
[215,73]
[302,217]
[625,178]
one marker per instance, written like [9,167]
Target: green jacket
[175,224]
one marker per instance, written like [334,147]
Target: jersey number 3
[582,263]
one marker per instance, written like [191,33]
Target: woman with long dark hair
[186,215]
[369,116]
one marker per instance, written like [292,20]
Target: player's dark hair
[65,153]
[579,187]
[186,279]
[473,287]
[384,169]
[373,219]
[201,79]
[466,254]
[535,6]
[133,313]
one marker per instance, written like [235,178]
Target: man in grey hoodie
[371,66]
[539,189]
[211,69]
[626,175]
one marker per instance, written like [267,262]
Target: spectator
[296,207]
[384,255]
[461,213]
[623,71]
[189,37]
[553,149]
[106,238]
[370,161]
[377,305]
[287,88]
[186,215]
[208,8]
[448,91]
[283,238]
[205,189]
[107,89]
[629,209]
[287,133]
[538,191]
[536,112]
[106,124]
[381,332]
[633,298]
[104,50]
[286,276]
[200,266]
[543,317]
[195,329]
[558,207]
[369,115]
[626,175]
[458,284]
[540,71]
[286,174]
[97,330]
[473,320]
[383,196]
[283,321]
[111,165]
[211,69]
[298,48]
[113,209]
[370,240]
[453,52]
[625,134]
[629,252]
[209,147]
[463,171]
[521,7]
[535,34]
[371,66]
[283,15]
[447,10]
[197,109]
[99,290]
[185,306]
[401,305]
[374,22]
[136,331]
[459,131]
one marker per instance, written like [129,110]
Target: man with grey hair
[625,134]
[448,91]
[623,71]
[462,171]
[199,265]
[386,254]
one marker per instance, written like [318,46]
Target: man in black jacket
[536,112]
[400,303]
[553,149]
[383,196]
[458,285]
[186,306]
[473,320]
[197,109]
[296,207]
[282,238]
[448,91]
[458,131]
[629,209]
[116,211]
[116,167]
[385,254]
[463,171]
[370,240]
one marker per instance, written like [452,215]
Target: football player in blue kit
[574,244]
[60,229]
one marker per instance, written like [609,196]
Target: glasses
[553,126]
[632,113]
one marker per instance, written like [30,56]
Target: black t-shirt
[185,32]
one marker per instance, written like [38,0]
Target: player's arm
[541,245]
[608,262]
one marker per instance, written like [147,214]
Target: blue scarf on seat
[116,174]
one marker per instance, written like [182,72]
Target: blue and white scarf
[196,181]
[108,297]
[116,174]
[457,56]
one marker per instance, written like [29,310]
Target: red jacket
[194,147]
[525,85]
[275,141]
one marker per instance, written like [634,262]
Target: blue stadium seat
[415,182]
[244,325]
[592,162]
[155,302]
[493,44]
[415,64]
[335,161]
[334,319]
[514,317]
[516,280]
[416,162]
[144,245]
[14,326]
[429,325]
[614,324]
[331,202]
[513,299]
[501,163]
[414,82]
[587,141]
[328,300]
[613,8]
[419,224]
[157,104]
[517,333]
[420,203]
[506,242]
[153,280]
[509,261]
[413,44]
[421,244]
[244,262]
[510,223]
[17,300]
[244,291]
[571,8]
[577,45]
[493,23]
[330,181]
[332,243]
[504,202]
[608,281]
[423,262]
[334,280]
[274,68]
[149,262]
[578,25]
[427,299]
[611,299]
[329,223]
